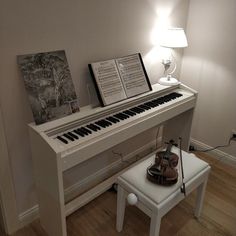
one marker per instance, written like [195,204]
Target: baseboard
[218,154]
[31,214]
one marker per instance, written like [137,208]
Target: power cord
[213,148]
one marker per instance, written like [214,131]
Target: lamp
[172,38]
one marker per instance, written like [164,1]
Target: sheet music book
[120,78]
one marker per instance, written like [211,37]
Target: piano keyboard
[97,127]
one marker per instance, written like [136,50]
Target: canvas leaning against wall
[49,85]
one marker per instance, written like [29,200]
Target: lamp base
[168,81]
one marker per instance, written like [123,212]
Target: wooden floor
[218,217]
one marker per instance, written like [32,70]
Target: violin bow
[182,189]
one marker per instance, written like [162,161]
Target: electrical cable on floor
[213,148]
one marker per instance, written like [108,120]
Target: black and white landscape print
[49,85]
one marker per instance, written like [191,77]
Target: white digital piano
[67,142]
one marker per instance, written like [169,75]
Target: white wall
[8,208]
[209,66]
[88,30]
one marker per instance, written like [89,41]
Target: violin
[164,170]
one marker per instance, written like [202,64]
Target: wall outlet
[233,135]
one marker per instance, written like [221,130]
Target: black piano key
[137,110]
[115,119]
[148,107]
[130,113]
[101,125]
[139,106]
[144,107]
[68,137]
[77,131]
[141,109]
[133,110]
[62,139]
[107,123]
[92,128]
[86,130]
[177,94]
[124,115]
[116,116]
[95,126]
[150,104]
[112,119]
[173,95]
[119,116]
[166,98]
[104,123]
[83,131]
[159,100]
[73,135]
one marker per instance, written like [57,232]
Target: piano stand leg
[50,191]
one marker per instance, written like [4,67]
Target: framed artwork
[49,85]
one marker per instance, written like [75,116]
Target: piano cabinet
[51,158]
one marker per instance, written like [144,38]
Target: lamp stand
[168,80]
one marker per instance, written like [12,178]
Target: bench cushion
[136,176]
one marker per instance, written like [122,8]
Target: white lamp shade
[174,38]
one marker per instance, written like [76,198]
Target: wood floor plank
[218,217]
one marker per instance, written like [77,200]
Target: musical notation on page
[119,79]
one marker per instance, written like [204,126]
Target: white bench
[156,200]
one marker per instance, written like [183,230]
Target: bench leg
[155,224]
[121,204]
[200,198]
